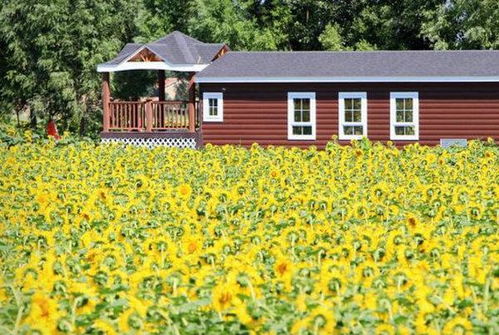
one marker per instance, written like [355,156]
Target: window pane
[358,130]
[408,104]
[301,110]
[408,116]
[297,130]
[212,107]
[409,130]
[357,104]
[400,104]
[348,130]
[297,116]
[348,116]
[357,117]
[305,104]
[297,104]
[306,116]
[405,130]
[348,104]
[307,130]
[400,116]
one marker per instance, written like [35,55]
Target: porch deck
[149,116]
[151,123]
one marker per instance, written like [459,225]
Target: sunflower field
[359,239]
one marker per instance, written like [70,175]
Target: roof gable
[145,54]
[176,51]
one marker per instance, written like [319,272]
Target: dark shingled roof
[175,48]
[128,50]
[328,64]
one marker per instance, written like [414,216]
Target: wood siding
[258,112]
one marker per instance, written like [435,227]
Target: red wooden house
[304,98]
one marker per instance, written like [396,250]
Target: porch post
[148,110]
[161,85]
[106,99]
[192,102]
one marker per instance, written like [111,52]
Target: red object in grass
[52,130]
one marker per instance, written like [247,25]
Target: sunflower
[222,297]
[184,190]
[43,313]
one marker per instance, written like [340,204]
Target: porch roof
[174,52]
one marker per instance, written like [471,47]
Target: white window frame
[206,107]
[291,115]
[415,116]
[341,113]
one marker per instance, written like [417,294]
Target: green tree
[359,24]
[331,38]
[383,24]
[52,49]
[132,85]
[228,21]
[274,16]
[157,18]
[464,24]
[309,20]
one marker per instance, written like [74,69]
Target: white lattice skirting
[175,142]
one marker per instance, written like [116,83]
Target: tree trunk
[83,124]
[84,120]
[32,119]
[18,119]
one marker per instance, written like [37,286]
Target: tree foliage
[50,48]
[226,21]
[464,24]
[156,18]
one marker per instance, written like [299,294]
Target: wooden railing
[149,116]
[169,115]
[127,115]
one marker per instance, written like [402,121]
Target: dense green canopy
[49,49]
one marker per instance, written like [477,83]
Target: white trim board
[150,66]
[415,116]
[341,115]
[220,107]
[408,79]
[312,123]
[125,65]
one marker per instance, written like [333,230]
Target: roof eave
[373,79]
[150,66]
[125,65]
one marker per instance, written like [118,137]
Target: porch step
[173,139]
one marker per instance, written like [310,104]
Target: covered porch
[149,115]
[155,119]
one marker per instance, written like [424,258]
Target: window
[404,116]
[301,116]
[213,109]
[352,115]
